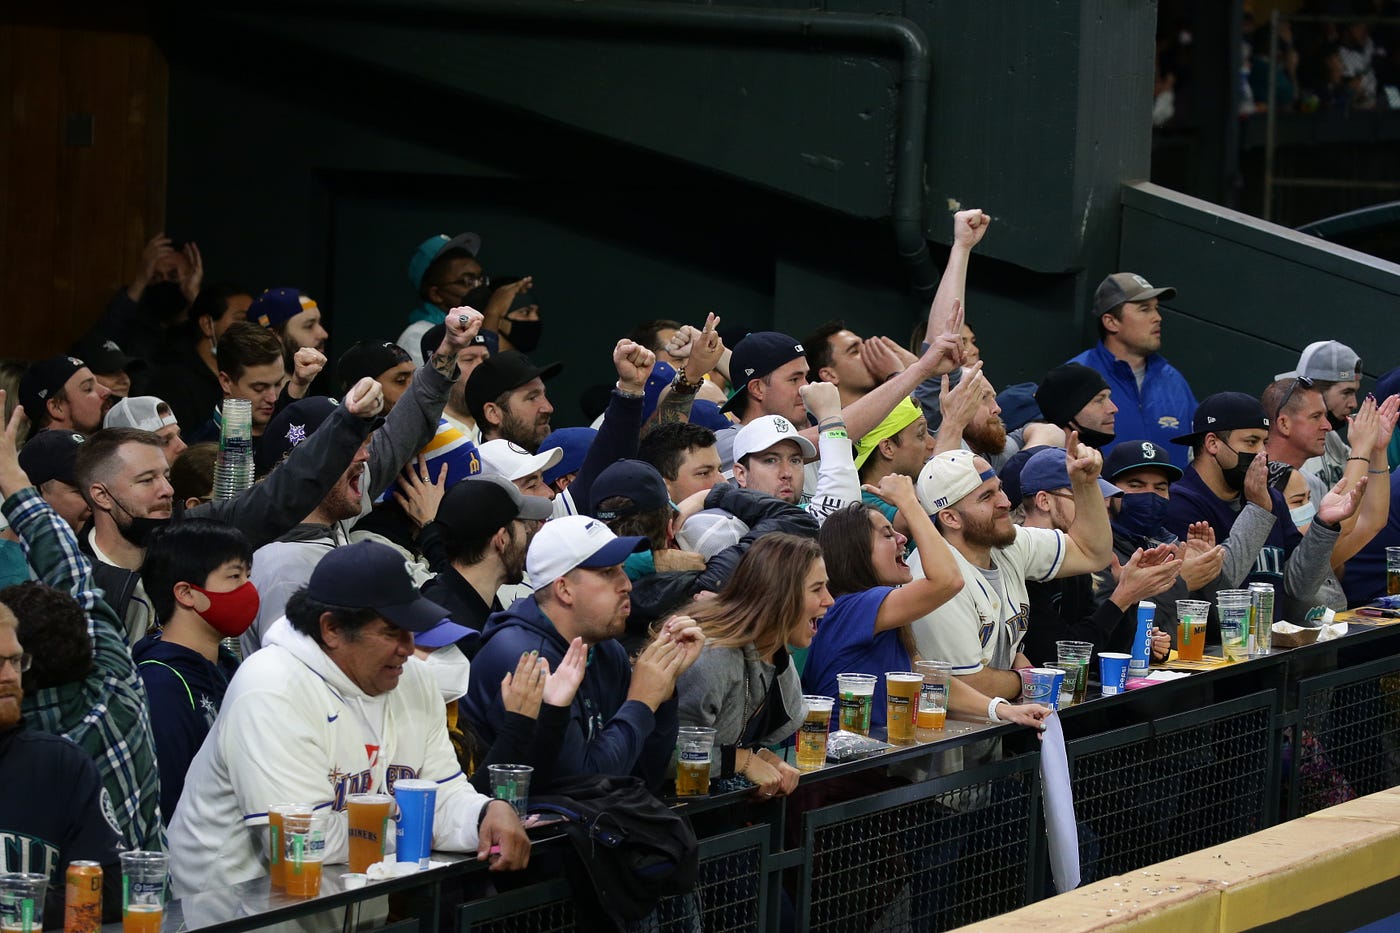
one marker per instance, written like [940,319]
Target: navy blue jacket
[1163,409]
[606,733]
[1365,572]
[1193,501]
[185,691]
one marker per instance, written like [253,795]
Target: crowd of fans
[431,575]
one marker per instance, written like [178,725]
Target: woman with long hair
[866,630]
[745,685]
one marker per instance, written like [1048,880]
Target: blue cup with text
[1042,685]
[414,836]
[1142,640]
[1113,672]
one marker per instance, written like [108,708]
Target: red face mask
[230,613]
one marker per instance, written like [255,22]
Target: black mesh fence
[540,908]
[1349,743]
[729,894]
[930,856]
[1172,786]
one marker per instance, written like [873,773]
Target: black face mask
[1234,476]
[1095,439]
[163,300]
[525,335]
[138,531]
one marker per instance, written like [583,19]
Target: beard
[513,560]
[526,434]
[985,533]
[987,437]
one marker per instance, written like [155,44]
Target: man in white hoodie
[331,706]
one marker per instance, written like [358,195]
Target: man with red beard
[980,630]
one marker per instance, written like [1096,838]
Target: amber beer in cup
[812,734]
[857,695]
[275,814]
[1191,617]
[693,749]
[369,816]
[143,890]
[901,705]
[303,851]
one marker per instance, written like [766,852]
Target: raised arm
[942,579]
[968,229]
[1089,544]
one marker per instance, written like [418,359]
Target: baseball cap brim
[417,615]
[536,508]
[614,552]
[1166,293]
[736,401]
[1108,489]
[443,634]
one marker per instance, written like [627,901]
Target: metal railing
[1156,773]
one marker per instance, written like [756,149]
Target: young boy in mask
[196,576]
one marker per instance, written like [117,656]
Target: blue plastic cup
[414,836]
[1113,672]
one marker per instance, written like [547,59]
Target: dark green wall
[638,176]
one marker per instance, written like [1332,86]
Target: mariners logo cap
[290,427]
[41,380]
[1326,361]
[574,541]
[761,433]
[1134,455]
[49,455]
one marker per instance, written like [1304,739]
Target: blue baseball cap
[634,480]
[662,375]
[1046,470]
[277,306]
[575,443]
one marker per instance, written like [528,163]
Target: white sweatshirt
[294,729]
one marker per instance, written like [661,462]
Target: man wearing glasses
[443,271]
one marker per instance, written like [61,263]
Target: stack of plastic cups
[234,471]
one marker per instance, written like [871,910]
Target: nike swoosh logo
[333,718]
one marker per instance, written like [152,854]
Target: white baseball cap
[761,433]
[947,478]
[144,412]
[709,532]
[573,541]
[509,459]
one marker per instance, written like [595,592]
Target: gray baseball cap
[1326,361]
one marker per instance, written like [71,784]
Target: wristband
[992,709]
[1362,459]
[682,386]
[625,394]
[836,434]
[1377,471]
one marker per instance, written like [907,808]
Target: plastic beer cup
[1076,653]
[303,851]
[812,734]
[933,694]
[1232,606]
[274,840]
[368,816]
[143,891]
[1392,571]
[901,705]
[1191,617]
[857,695]
[511,783]
[22,901]
[693,748]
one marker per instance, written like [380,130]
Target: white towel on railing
[1058,799]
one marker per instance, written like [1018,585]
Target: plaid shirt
[105,713]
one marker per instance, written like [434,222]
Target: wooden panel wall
[74,218]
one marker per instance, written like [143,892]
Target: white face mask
[1303,515]
[451,670]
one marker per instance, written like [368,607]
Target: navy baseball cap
[1048,470]
[433,247]
[277,306]
[707,414]
[1225,411]
[756,356]
[575,443]
[289,427]
[104,356]
[634,480]
[41,380]
[1134,455]
[49,455]
[1010,472]
[370,575]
